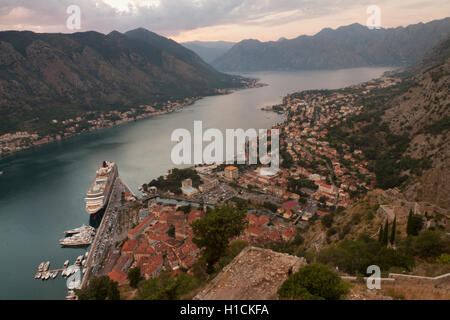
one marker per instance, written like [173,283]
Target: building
[209,185]
[187,189]
[231,173]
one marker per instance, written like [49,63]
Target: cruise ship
[100,191]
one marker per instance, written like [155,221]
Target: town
[314,180]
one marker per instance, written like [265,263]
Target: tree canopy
[100,288]
[134,276]
[314,282]
[167,287]
[213,232]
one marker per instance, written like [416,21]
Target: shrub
[314,282]
[100,288]
[134,276]
[327,220]
[443,259]
[429,243]
[167,287]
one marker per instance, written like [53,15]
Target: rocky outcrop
[255,274]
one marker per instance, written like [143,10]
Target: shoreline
[254,85]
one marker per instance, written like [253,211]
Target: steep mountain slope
[349,46]
[423,114]
[404,130]
[46,74]
[209,50]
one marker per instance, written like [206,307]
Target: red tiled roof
[129,245]
[139,226]
[263,219]
[252,219]
[117,276]
[289,205]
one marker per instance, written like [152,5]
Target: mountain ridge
[347,46]
[46,74]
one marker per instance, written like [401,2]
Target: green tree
[354,256]
[394,226]
[271,206]
[386,233]
[185,209]
[327,221]
[380,234]
[314,282]
[443,259]
[167,287]
[134,276]
[100,288]
[213,232]
[171,232]
[430,243]
[408,223]
[414,224]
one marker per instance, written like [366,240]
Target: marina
[103,239]
[82,236]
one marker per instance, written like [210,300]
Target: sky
[213,20]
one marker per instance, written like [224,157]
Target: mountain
[348,46]
[209,50]
[404,130]
[47,75]
[423,115]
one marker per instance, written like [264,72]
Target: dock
[101,243]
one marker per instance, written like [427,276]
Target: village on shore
[11,143]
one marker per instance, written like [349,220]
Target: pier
[103,237]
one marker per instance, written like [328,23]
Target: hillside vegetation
[47,76]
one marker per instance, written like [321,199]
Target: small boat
[41,267]
[55,274]
[71,295]
[79,260]
[66,263]
[84,270]
[38,275]
[86,254]
[46,265]
[1,172]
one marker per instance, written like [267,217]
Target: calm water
[42,190]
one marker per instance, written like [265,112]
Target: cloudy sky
[209,20]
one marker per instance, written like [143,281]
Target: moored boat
[98,194]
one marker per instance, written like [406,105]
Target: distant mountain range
[349,46]
[209,50]
[43,75]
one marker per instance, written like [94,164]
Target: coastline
[52,139]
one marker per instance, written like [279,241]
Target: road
[105,233]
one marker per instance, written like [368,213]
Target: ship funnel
[104,164]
